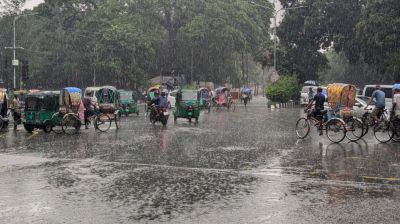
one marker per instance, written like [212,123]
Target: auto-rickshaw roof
[112,88]
[42,94]
[341,95]
[93,88]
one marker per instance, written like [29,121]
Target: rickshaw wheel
[71,124]
[28,128]
[355,129]
[336,130]
[302,128]
[102,122]
[2,123]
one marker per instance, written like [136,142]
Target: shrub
[285,89]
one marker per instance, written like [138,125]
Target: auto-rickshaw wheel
[137,113]
[190,120]
[48,127]
[29,128]
[175,118]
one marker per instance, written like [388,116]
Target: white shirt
[396,100]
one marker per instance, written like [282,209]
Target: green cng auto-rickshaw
[128,102]
[39,110]
[187,105]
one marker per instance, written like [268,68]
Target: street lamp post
[275,23]
[14,47]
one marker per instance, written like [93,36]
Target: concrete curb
[282,105]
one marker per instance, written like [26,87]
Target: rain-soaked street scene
[219,111]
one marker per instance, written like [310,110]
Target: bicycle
[335,127]
[384,130]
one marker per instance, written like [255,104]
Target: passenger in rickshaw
[318,112]
[205,94]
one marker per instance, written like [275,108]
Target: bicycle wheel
[336,130]
[57,123]
[71,124]
[302,128]
[384,131]
[102,122]
[355,129]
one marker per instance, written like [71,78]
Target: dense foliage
[285,89]
[126,42]
[364,33]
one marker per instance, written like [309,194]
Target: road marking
[381,178]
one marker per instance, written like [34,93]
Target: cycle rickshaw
[223,98]
[70,117]
[337,121]
[109,110]
[204,99]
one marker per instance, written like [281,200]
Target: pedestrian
[310,94]
[16,111]
[379,97]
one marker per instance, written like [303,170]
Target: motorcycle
[158,114]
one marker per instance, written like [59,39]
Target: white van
[387,89]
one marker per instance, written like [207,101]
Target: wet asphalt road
[232,167]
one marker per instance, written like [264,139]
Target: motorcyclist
[163,101]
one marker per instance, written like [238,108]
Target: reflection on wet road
[232,167]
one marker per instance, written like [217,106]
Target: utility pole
[275,24]
[15,62]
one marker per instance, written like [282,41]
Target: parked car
[388,89]
[171,98]
[359,107]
